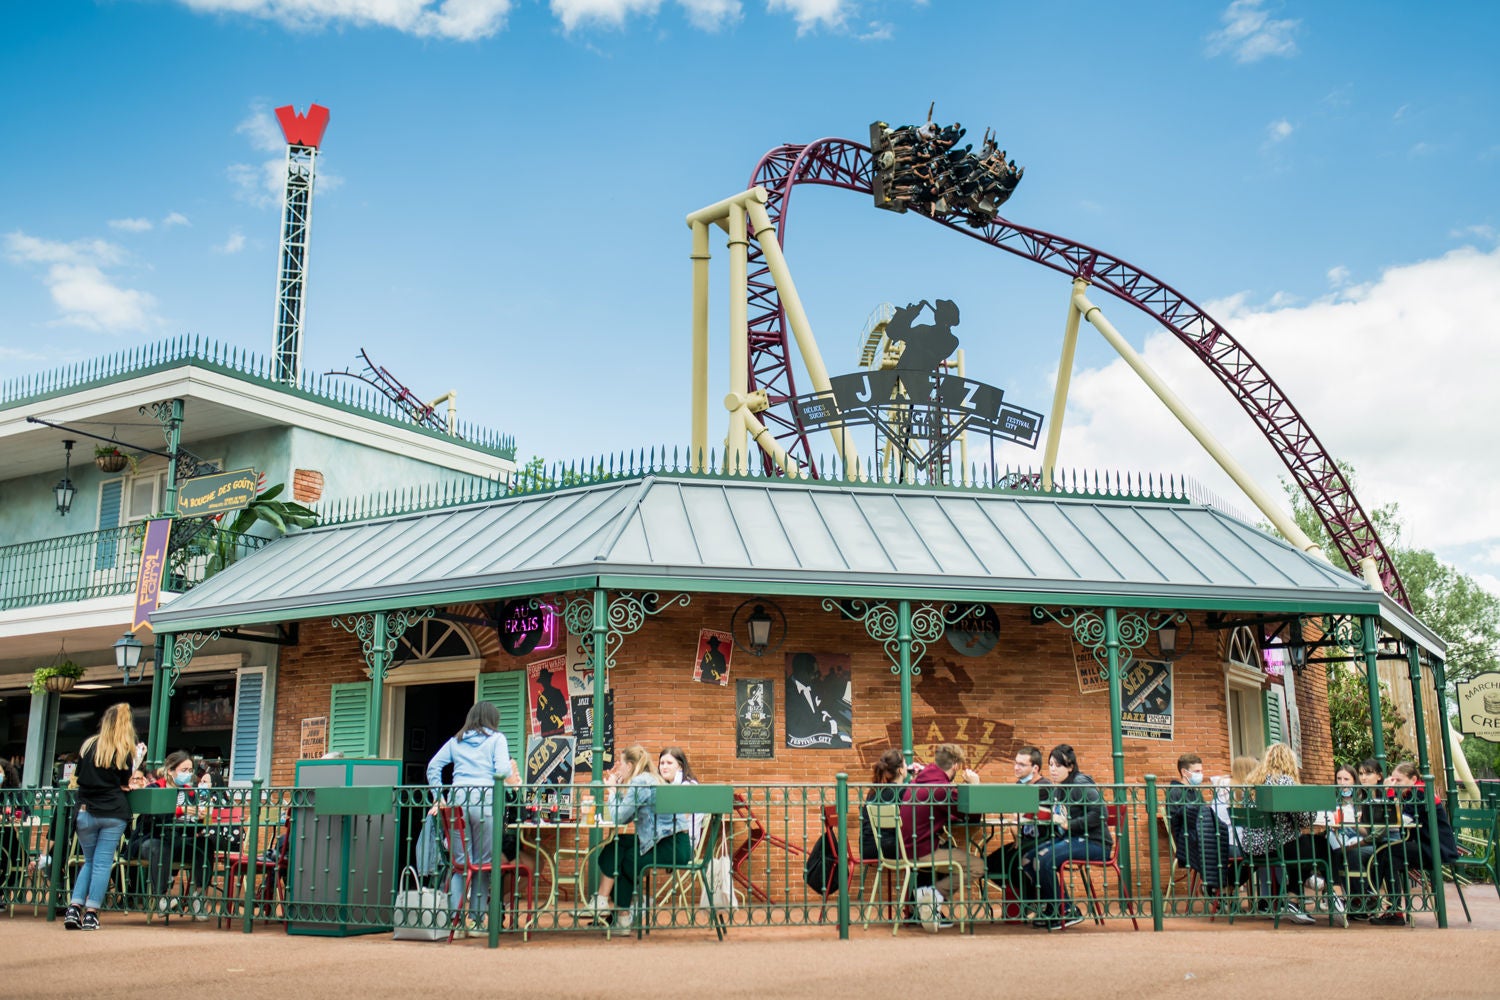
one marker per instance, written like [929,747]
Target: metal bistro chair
[1477,831]
[1113,814]
[887,816]
[456,831]
[716,802]
[1177,873]
[856,863]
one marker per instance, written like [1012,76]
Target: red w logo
[303,130]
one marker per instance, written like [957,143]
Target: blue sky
[502,191]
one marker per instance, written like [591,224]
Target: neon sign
[524,628]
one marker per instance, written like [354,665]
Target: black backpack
[822,868]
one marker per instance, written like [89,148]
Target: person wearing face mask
[170,843]
[1078,832]
[1004,865]
[1183,799]
[1344,840]
[1413,848]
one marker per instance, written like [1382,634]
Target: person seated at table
[887,776]
[1414,847]
[1183,800]
[1078,832]
[630,794]
[13,816]
[928,805]
[1370,772]
[673,767]
[1278,767]
[478,754]
[1344,841]
[173,842]
[1216,848]
[1004,865]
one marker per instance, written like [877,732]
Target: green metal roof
[751,535]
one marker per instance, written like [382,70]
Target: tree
[1349,717]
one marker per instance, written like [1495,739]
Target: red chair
[270,871]
[831,828]
[755,834]
[1112,816]
[456,831]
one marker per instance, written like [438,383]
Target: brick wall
[1024,691]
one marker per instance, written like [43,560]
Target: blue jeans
[1050,855]
[98,839]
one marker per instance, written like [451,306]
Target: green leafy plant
[111,459]
[223,546]
[67,668]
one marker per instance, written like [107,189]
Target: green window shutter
[1275,716]
[507,692]
[244,758]
[111,495]
[349,719]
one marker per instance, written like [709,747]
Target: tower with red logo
[304,134]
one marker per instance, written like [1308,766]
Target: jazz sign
[203,496]
[1479,707]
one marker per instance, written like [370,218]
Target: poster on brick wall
[583,729]
[546,689]
[580,670]
[819,702]
[1092,675]
[711,662]
[549,773]
[754,720]
[1146,700]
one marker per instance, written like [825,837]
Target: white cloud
[175,219]
[234,244]
[810,14]
[706,15]
[1251,34]
[75,277]
[460,20]
[878,31]
[1338,276]
[1279,130]
[711,15]
[130,225]
[263,131]
[1393,376]
[262,185]
[1481,232]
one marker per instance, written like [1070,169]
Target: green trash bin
[341,872]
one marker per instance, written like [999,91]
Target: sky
[501,194]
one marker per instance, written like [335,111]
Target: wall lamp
[64,488]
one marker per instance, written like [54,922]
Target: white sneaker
[1316,883]
[199,906]
[623,920]
[1295,914]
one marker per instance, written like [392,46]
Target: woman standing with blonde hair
[104,766]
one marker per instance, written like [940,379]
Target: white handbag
[420,914]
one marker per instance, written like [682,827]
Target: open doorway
[433,712]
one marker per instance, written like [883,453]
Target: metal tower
[303,135]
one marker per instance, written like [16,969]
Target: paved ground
[1193,959]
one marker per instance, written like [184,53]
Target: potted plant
[109,458]
[58,678]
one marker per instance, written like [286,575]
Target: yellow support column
[700,258]
[739,338]
[1064,380]
[1262,500]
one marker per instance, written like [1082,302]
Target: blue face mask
[183,780]
[1195,777]
[1347,793]
[1025,781]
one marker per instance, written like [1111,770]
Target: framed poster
[819,702]
[754,719]
[583,730]
[711,662]
[314,743]
[549,772]
[547,694]
[1146,701]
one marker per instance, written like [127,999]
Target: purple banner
[148,580]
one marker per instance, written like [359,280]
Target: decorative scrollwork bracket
[624,615]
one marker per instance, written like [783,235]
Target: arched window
[1245,683]
[434,639]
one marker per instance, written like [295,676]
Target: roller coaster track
[843,163]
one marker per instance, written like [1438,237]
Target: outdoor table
[533,840]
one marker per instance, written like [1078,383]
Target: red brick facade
[1026,690]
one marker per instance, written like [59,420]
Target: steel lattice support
[843,163]
[291,276]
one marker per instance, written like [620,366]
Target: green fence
[731,858]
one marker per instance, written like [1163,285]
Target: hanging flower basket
[110,461]
[56,679]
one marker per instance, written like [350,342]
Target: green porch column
[378,658]
[1367,627]
[1414,667]
[174,441]
[903,642]
[599,630]
[163,680]
[1116,698]
[1440,682]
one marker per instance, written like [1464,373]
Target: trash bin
[341,873]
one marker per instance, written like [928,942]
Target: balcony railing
[105,564]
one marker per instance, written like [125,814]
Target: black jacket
[1080,796]
[102,789]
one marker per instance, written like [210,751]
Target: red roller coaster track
[843,163]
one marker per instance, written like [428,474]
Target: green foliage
[534,476]
[223,547]
[1349,718]
[1482,755]
[67,668]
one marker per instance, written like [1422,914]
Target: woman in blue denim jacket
[657,839]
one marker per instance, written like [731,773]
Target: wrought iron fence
[105,563]
[725,858]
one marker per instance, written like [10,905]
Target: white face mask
[1195,777]
[1025,780]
